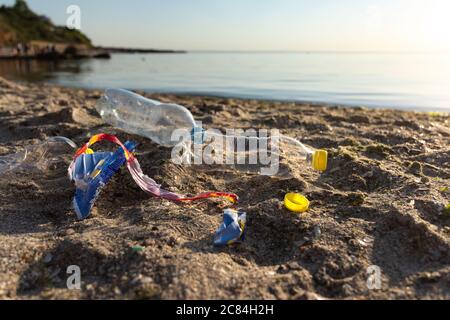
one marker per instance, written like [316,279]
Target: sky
[264,25]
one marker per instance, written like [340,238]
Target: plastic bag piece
[232,230]
[90,173]
[85,165]
[37,156]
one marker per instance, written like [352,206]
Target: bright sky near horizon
[264,25]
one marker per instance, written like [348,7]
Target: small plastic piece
[232,230]
[296,202]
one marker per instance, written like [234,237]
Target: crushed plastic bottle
[36,157]
[145,117]
[158,121]
[11,161]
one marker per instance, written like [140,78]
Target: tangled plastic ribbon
[143,181]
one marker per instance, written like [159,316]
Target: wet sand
[381,202]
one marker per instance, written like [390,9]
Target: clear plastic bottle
[145,117]
[157,121]
[11,161]
[37,157]
[274,155]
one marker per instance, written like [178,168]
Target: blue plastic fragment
[85,164]
[198,135]
[92,172]
[232,230]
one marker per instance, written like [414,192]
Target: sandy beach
[381,202]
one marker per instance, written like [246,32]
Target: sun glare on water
[412,25]
[432,32]
[436,25]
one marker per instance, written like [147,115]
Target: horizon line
[280,51]
[319,51]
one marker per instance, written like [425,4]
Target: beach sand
[379,203]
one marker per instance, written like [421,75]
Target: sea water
[415,81]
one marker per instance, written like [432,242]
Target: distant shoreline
[97,53]
[138,50]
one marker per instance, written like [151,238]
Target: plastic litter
[11,161]
[145,117]
[296,202]
[232,230]
[157,121]
[38,156]
[91,170]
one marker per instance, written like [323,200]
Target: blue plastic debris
[91,173]
[232,229]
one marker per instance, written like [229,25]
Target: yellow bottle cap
[296,202]
[320,160]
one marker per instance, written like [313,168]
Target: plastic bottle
[39,156]
[11,161]
[145,117]
[157,121]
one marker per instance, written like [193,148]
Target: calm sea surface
[404,81]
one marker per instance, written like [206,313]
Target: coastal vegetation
[19,24]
